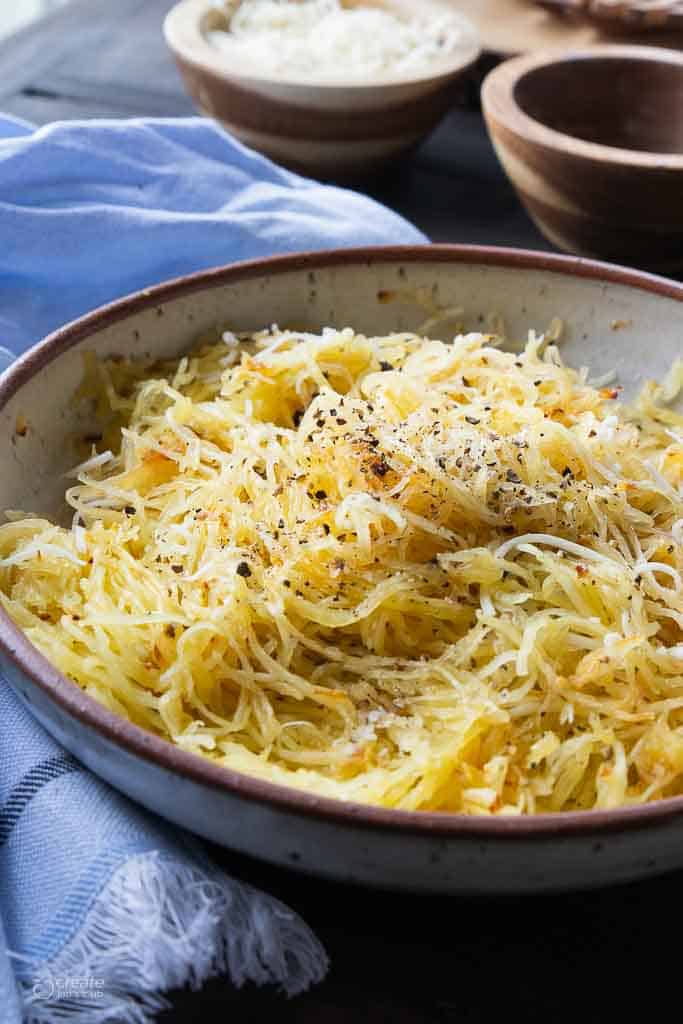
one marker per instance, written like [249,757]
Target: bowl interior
[609,325]
[628,102]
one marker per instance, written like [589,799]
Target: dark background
[583,958]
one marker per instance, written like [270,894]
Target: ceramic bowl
[614,319]
[330,128]
[592,140]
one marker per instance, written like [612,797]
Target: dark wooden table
[396,959]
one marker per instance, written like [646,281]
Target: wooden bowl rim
[500,103]
[184,36]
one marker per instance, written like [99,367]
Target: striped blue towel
[102,907]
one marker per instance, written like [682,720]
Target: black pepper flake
[170,631]
[280,524]
[341,422]
[177,568]
[380,468]
[384,366]
[287,584]
[567,471]
[326,528]
[129,510]
[472,420]
[320,422]
[321,495]
[297,417]
[512,477]
[243,570]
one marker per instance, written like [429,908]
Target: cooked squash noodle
[425,575]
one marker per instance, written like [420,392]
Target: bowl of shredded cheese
[400,565]
[328,86]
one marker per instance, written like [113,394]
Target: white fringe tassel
[163,924]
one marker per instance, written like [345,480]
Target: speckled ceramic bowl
[615,319]
[331,128]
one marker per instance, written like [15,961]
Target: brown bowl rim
[147,747]
[499,102]
[183,22]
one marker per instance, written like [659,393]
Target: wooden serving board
[509,27]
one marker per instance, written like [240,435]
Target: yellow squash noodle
[424,575]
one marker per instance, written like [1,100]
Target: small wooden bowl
[592,140]
[331,128]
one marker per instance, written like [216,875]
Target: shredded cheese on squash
[424,575]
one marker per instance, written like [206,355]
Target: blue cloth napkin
[90,211]
[103,907]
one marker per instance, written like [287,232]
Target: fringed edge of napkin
[162,923]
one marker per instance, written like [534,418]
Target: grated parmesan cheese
[328,39]
[391,570]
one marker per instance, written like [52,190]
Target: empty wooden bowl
[592,140]
[329,127]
